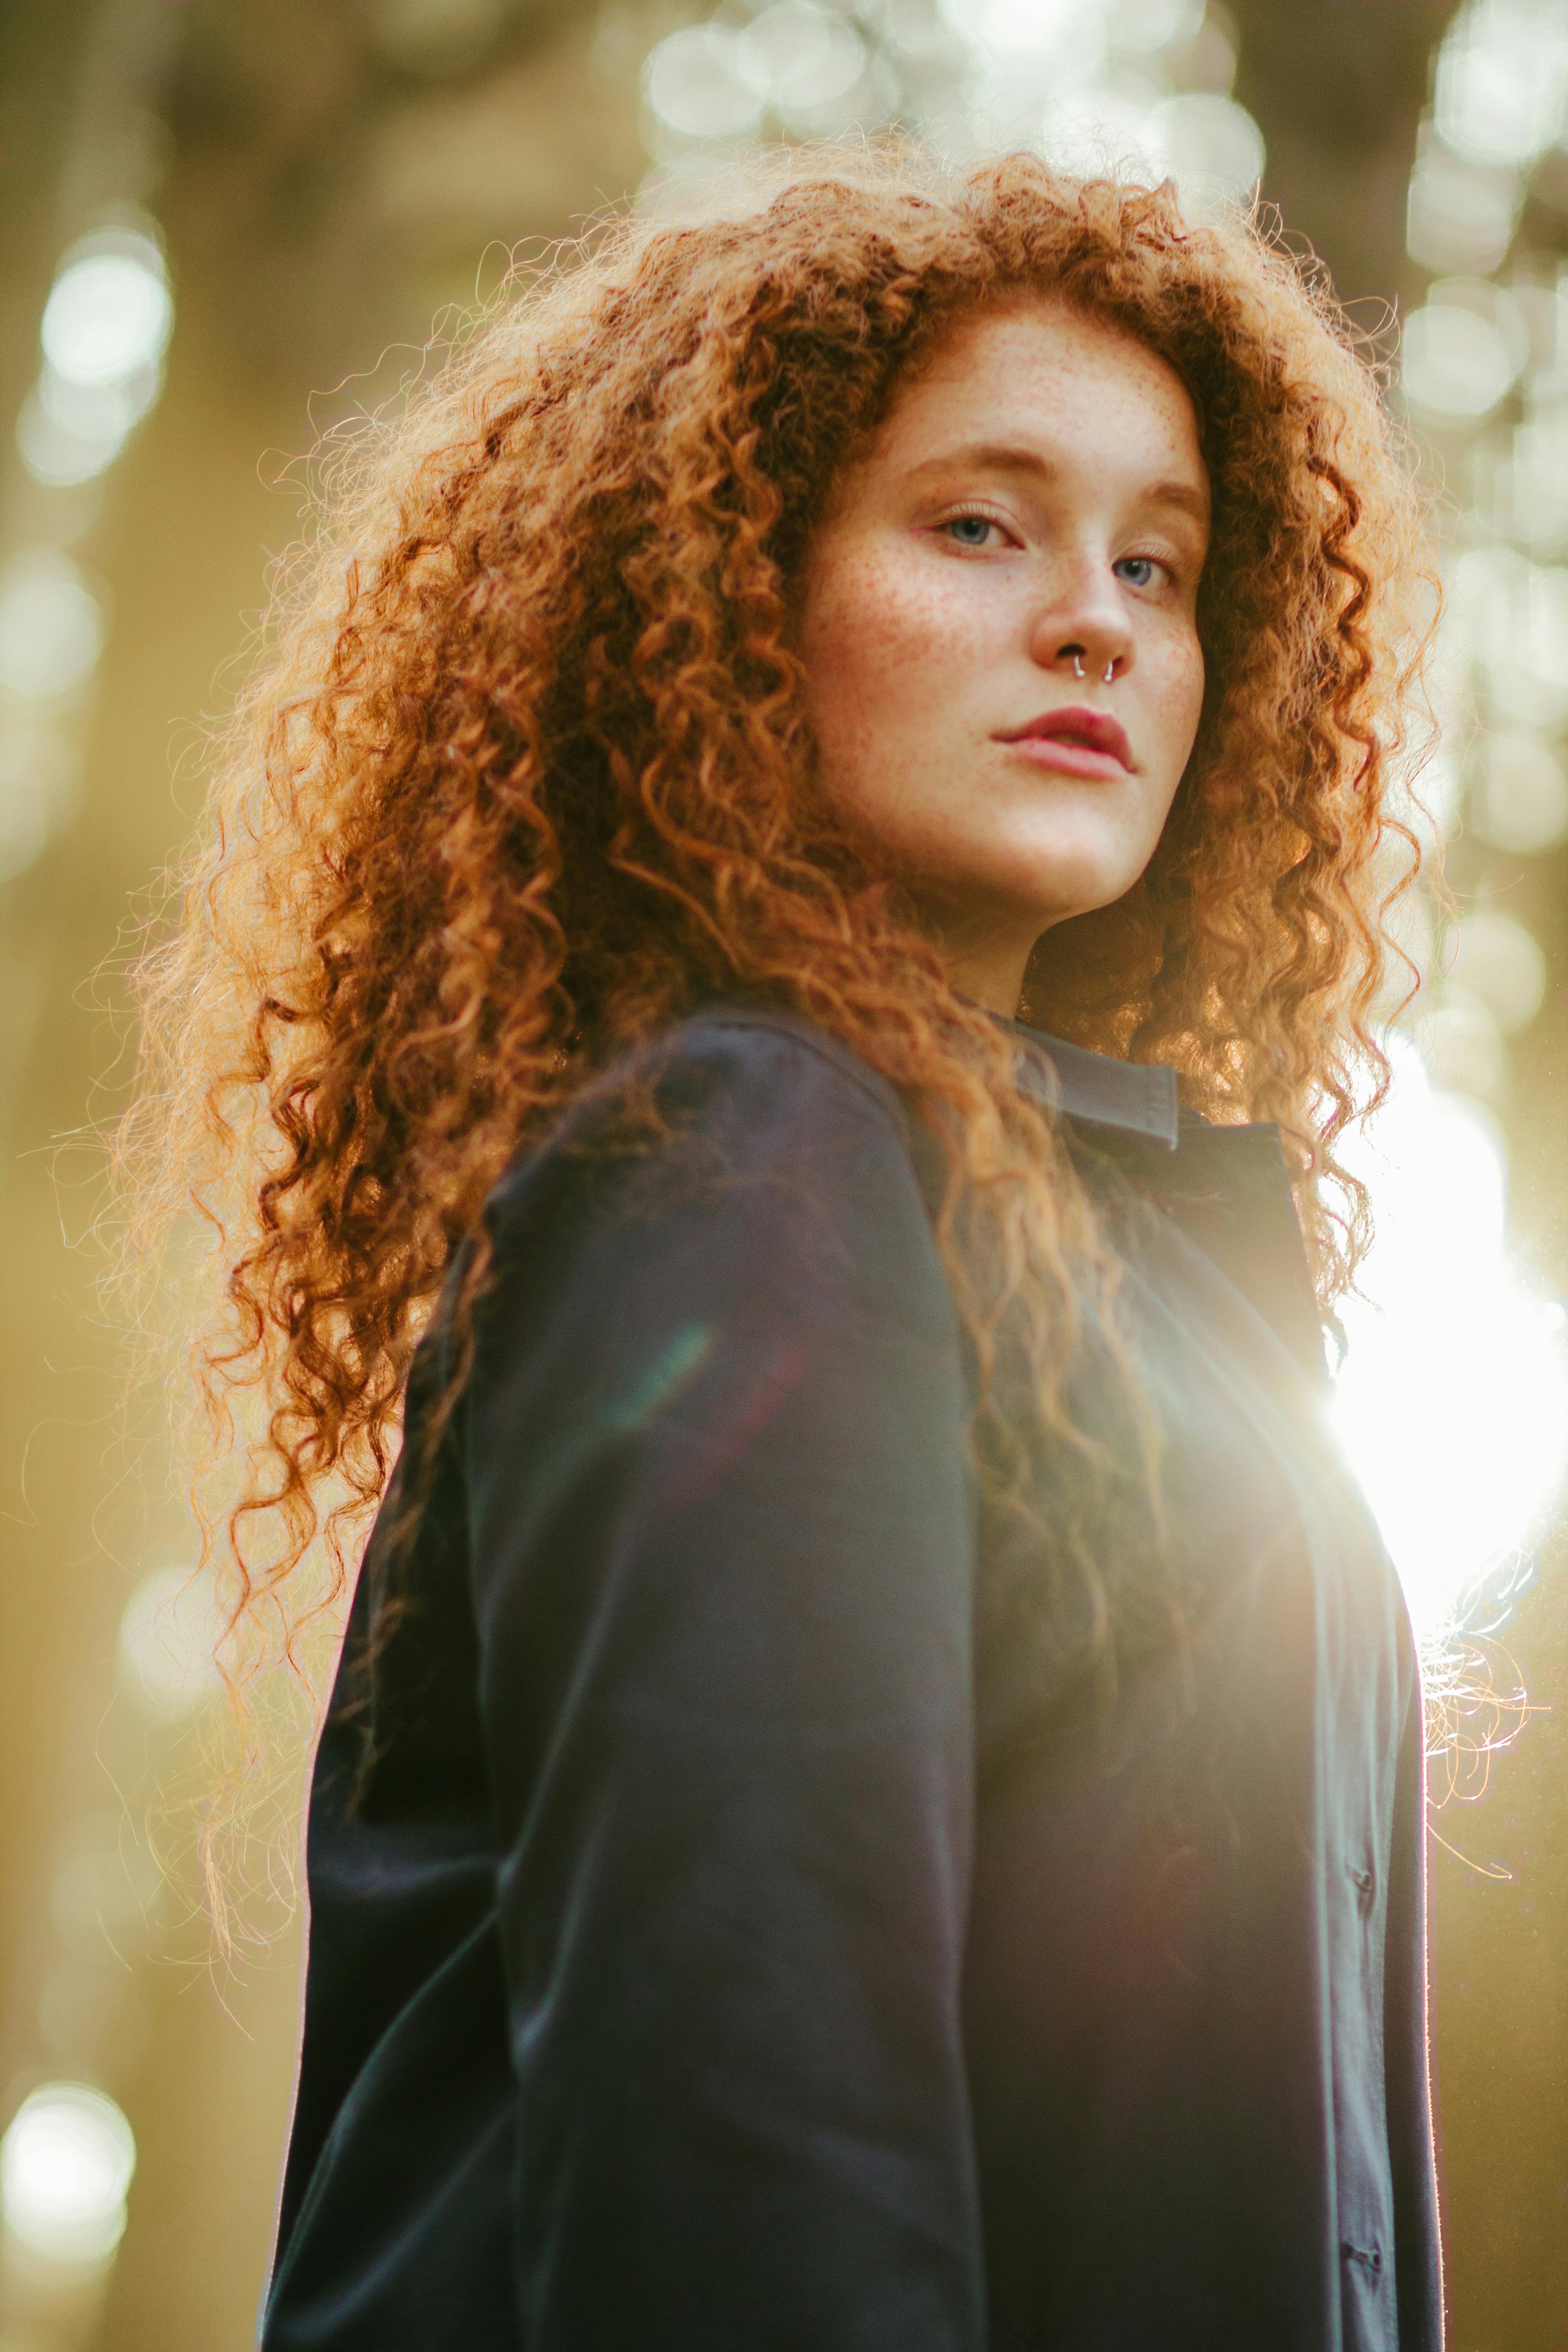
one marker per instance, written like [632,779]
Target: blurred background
[228,227]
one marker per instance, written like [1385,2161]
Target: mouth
[1075,740]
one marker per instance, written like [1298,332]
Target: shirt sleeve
[723,1547]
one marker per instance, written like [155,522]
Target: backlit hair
[524,777]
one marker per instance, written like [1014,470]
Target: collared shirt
[1137,1100]
[723,1934]
[1227,1187]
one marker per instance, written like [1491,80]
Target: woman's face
[999,630]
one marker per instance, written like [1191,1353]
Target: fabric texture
[723,1936]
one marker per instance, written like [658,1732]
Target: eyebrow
[1006,457]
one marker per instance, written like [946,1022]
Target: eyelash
[1158,564]
[971,514]
[980,514]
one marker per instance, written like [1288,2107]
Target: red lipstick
[1075,740]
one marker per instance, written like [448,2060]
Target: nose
[1081,632]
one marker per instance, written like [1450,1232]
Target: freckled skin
[1036,499]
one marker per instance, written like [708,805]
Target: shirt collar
[1228,1189]
[1133,1098]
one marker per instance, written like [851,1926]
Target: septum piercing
[1109,673]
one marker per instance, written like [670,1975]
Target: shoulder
[738,1158]
[743,1049]
[729,1095]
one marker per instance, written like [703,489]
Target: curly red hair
[525,777]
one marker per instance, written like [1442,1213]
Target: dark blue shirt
[725,1937]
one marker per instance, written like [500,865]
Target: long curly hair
[523,778]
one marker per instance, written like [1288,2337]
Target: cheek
[879,648]
[1178,679]
[1194,678]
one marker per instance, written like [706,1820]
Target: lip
[1075,740]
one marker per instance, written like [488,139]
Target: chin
[1062,890]
[1070,857]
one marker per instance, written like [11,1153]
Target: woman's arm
[723,1550]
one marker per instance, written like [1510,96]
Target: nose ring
[1078,664]
[1109,672]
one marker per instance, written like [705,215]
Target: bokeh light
[40,777]
[65,2164]
[801,60]
[1453,365]
[51,627]
[1110,128]
[68,432]
[1511,616]
[1495,960]
[1519,802]
[1537,481]
[1501,80]
[1139,88]
[1210,146]
[1068,32]
[1459,215]
[105,328]
[696,84]
[108,316]
[167,1635]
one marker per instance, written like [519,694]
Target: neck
[989,974]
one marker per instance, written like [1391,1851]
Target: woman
[873,1796]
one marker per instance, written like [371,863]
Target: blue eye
[970,531]
[1137,569]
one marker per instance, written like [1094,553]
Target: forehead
[1053,375]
